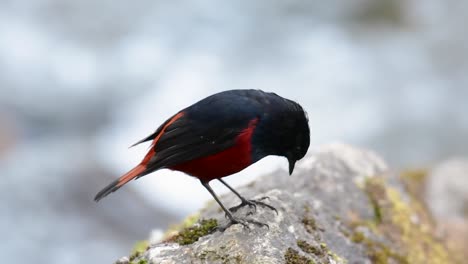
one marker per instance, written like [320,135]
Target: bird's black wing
[202,130]
[186,140]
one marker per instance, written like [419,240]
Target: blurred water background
[80,81]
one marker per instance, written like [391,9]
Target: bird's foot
[253,204]
[244,222]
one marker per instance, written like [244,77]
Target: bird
[223,134]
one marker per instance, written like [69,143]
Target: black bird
[221,135]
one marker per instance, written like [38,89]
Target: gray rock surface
[335,208]
[446,195]
[447,189]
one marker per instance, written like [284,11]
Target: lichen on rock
[402,231]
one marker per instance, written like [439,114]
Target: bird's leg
[245,202]
[232,220]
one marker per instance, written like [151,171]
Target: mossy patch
[292,256]
[330,254]
[308,248]
[138,249]
[415,175]
[414,181]
[309,224]
[191,234]
[376,193]
[357,237]
[401,230]
[219,256]
[321,253]
[176,228]
[377,251]
[141,261]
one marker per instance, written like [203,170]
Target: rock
[341,206]
[447,197]
[122,260]
[447,189]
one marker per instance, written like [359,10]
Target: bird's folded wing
[186,139]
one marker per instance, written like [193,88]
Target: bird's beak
[292,162]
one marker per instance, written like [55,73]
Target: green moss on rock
[328,253]
[308,248]
[138,249]
[309,224]
[191,234]
[292,256]
[377,251]
[176,228]
[357,237]
[321,253]
[219,256]
[376,194]
[414,181]
[404,225]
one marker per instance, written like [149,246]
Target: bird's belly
[219,165]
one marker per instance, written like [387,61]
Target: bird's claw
[253,204]
[244,222]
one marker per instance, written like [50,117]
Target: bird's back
[225,119]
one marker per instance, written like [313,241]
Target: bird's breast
[224,163]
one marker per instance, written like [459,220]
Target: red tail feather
[132,174]
[139,170]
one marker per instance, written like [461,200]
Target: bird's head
[285,132]
[297,139]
